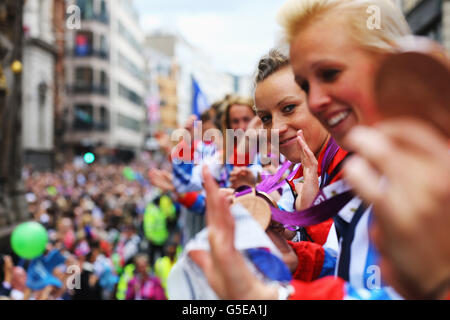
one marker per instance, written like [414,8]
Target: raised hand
[242,176]
[161,179]
[310,187]
[224,266]
[403,169]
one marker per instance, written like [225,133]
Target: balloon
[128,173]
[52,191]
[29,240]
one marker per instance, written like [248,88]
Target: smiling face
[281,104]
[336,74]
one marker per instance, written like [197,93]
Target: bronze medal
[416,84]
[258,207]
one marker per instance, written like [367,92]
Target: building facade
[128,90]
[13,208]
[191,63]
[162,100]
[105,80]
[38,85]
[87,73]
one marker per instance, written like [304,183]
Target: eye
[289,108]
[330,75]
[265,119]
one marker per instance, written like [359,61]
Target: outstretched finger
[364,179]
[211,186]
[218,215]
[374,146]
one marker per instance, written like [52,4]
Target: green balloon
[52,191]
[29,239]
[128,173]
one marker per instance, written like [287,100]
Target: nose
[318,98]
[278,124]
[242,125]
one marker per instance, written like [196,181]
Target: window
[129,123]
[103,47]
[84,117]
[103,83]
[83,44]
[163,70]
[130,95]
[129,37]
[83,79]
[103,12]
[130,67]
[104,119]
[87,9]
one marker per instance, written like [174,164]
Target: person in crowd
[6,269]
[164,264]
[90,288]
[18,284]
[144,285]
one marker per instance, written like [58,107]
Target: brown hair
[206,116]
[269,64]
[217,109]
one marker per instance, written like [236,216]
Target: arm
[241,176]
[8,268]
[193,201]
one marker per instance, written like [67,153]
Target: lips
[287,141]
[336,118]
